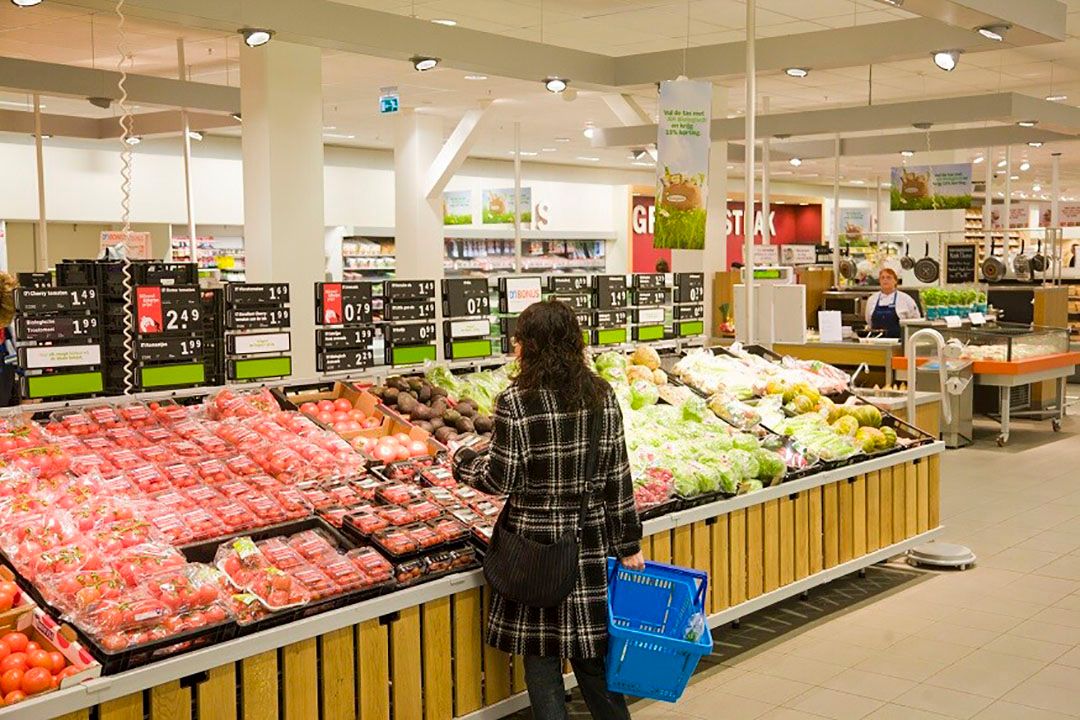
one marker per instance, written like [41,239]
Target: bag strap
[596,424]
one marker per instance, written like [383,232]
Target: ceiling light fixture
[1002,163]
[548,149]
[977,160]
[639,163]
[44,136]
[476,77]
[422,63]
[589,131]
[555,84]
[1036,187]
[994,32]
[1025,166]
[195,134]
[133,140]
[894,3]
[1028,123]
[858,182]
[1035,144]
[588,158]
[237,117]
[563,139]
[255,37]
[947,60]
[445,21]
[1056,98]
[797,72]
[907,153]
[639,154]
[1014,178]
[25,3]
[338,136]
[795,162]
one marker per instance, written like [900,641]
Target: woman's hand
[634,562]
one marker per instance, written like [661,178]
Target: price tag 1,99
[269,318]
[166,349]
[33,330]
[344,338]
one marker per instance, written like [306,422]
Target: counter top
[899,402]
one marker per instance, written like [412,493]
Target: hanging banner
[1019,216]
[136,243]
[499,206]
[1068,215]
[931,187]
[682,165]
[854,221]
[457,207]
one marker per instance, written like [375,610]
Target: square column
[418,221]
[284,226]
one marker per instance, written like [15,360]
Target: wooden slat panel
[77,715]
[496,666]
[701,536]
[337,679]
[830,513]
[787,541]
[873,511]
[911,500]
[922,496]
[406,683]
[438,668]
[934,492]
[899,498]
[845,490]
[661,545]
[816,517]
[517,674]
[737,557]
[755,552]
[259,686]
[646,547]
[300,678]
[771,545]
[858,526]
[885,517]
[129,707]
[373,661]
[217,694]
[684,546]
[169,701]
[802,535]
[468,644]
[719,577]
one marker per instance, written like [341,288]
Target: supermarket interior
[266,271]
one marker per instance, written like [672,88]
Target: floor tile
[868,684]
[1052,541]
[1071,658]
[1047,631]
[1067,567]
[1059,616]
[1019,559]
[708,705]
[986,673]
[834,704]
[1027,648]
[766,688]
[1046,697]
[902,712]
[784,713]
[833,651]
[958,634]
[943,700]
[982,620]
[795,668]
[1002,710]
[904,665]
[932,649]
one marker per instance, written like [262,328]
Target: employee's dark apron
[885,318]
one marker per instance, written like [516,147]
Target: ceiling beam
[942,140]
[456,150]
[73,81]
[166,122]
[1031,21]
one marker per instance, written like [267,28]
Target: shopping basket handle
[614,566]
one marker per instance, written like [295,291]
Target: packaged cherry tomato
[292,501]
[399,493]
[450,529]
[211,444]
[266,510]
[122,458]
[343,494]
[466,494]
[264,482]
[155,454]
[240,559]
[424,510]
[315,581]
[184,448]
[395,515]
[439,476]
[180,474]
[183,588]
[237,516]
[203,524]
[312,544]
[365,486]
[73,592]
[280,554]
[43,461]
[213,471]
[169,411]
[277,589]
[172,526]
[368,560]
[364,521]
[343,573]
[334,515]
[246,608]
[125,437]
[395,542]
[410,572]
[106,416]
[148,478]
[136,415]
[441,496]
[156,434]
[138,562]
[315,496]
[74,422]
[242,465]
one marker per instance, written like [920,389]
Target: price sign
[409,289]
[259,343]
[977,318]
[343,303]
[258,318]
[59,356]
[457,329]
[960,262]
[689,287]
[57,300]
[609,318]
[33,330]
[165,349]
[36,280]
[237,294]
[610,291]
[344,338]
[576,302]
[343,360]
[411,334]
[568,283]
[585,319]
[405,310]
[170,309]
[650,297]
[466,297]
[508,326]
[649,281]
[518,293]
[689,312]
[649,316]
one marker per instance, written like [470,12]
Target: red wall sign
[642,219]
[788,225]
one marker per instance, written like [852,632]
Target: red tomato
[39,659]
[31,647]
[36,680]
[11,680]
[67,672]
[309,408]
[342,405]
[14,696]
[14,661]
[326,418]
[340,417]
[417,448]
[402,438]
[326,406]
[16,641]
[4,650]
[385,453]
[9,587]
[403,452]
[389,440]
[7,600]
[58,661]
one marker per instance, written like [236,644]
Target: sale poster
[457,207]
[682,165]
[645,257]
[931,187]
[331,304]
[136,244]
[499,206]
[148,309]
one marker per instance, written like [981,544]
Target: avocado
[390,397]
[483,423]
[444,434]
[465,425]
[436,422]
[451,416]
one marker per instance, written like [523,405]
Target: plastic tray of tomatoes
[417,539]
[432,566]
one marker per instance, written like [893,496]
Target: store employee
[885,308]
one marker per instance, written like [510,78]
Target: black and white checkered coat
[537,457]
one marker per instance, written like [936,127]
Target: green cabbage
[694,409]
[745,441]
[643,393]
[770,465]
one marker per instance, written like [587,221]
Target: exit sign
[389,100]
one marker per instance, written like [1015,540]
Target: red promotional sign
[788,225]
[331,303]
[148,309]
[642,221]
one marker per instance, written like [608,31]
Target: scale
[780,306]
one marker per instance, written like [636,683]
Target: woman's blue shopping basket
[649,612]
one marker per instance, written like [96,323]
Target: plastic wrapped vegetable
[643,393]
[770,466]
[734,411]
[647,356]
[744,462]
[745,441]
[694,409]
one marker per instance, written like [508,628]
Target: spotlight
[1014,178]
[977,160]
[894,3]
[422,63]
[907,153]
[1028,123]
[1036,188]
[25,3]
[195,134]
[795,162]
[254,37]
[44,136]
[555,84]
[1056,98]
[1025,166]
[797,72]
[639,154]
[1035,144]
[236,116]
[947,60]
[133,140]
[993,32]
[589,132]
[445,21]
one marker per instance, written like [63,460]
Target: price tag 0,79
[343,303]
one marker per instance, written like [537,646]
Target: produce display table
[1006,375]
[876,356]
[419,652]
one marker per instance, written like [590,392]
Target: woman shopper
[539,455]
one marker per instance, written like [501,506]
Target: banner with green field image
[499,206]
[682,164]
[457,207]
[931,187]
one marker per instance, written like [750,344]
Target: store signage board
[458,329]
[469,349]
[682,166]
[647,333]
[953,321]
[854,221]
[689,329]
[259,368]
[609,336]
[237,294]
[798,254]
[1068,215]
[644,257]
[518,293]
[57,300]
[166,349]
[585,319]
[568,283]
[409,289]
[576,302]
[610,291]
[689,288]
[830,326]
[268,318]
[259,343]
[410,354]
[961,260]
[167,309]
[609,318]
[35,279]
[343,303]
[334,361]
[137,245]
[408,310]
[931,187]
[466,297]
[59,356]
[648,281]
[650,297]
[51,329]
[498,206]
[649,316]
[64,384]
[765,254]
[161,376]
[389,100]
[788,223]
[457,207]
[1019,216]
[410,334]
[344,338]
[977,318]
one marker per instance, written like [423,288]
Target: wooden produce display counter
[847,355]
[418,654]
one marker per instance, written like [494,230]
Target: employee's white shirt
[906,308]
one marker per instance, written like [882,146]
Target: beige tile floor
[998,642]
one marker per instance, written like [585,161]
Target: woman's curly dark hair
[553,356]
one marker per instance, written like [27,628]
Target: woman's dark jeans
[547,695]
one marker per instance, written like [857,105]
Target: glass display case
[1000,341]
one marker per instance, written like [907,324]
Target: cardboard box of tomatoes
[39,656]
[13,601]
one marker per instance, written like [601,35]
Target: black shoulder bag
[540,574]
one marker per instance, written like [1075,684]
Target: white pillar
[834,241]
[1055,189]
[765,238]
[284,226]
[714,254]
[751,144]
[189,189]
[418,221]
[42,245]
[989,194]
[1008,199]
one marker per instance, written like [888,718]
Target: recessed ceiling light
[555,84]
[133,140]
[894,3]
[525,153]
[978,160]
[445,21]
[1014,177]
[44,136]
[858,182]
[1002,163]
[797,72]
[24,105]
[1057,98]
[589,132]
[254,37]
[548,149]
[25,3]
[993,32]
[1028,123]
[588,158]
[338,136]
[1036,187]
[562,139]
[422,63]
[947,60]
[195,134]
[640,163]
[907,153]
[237,117]
[1025,166]
[1035,144]
[476,77]
[795,162]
